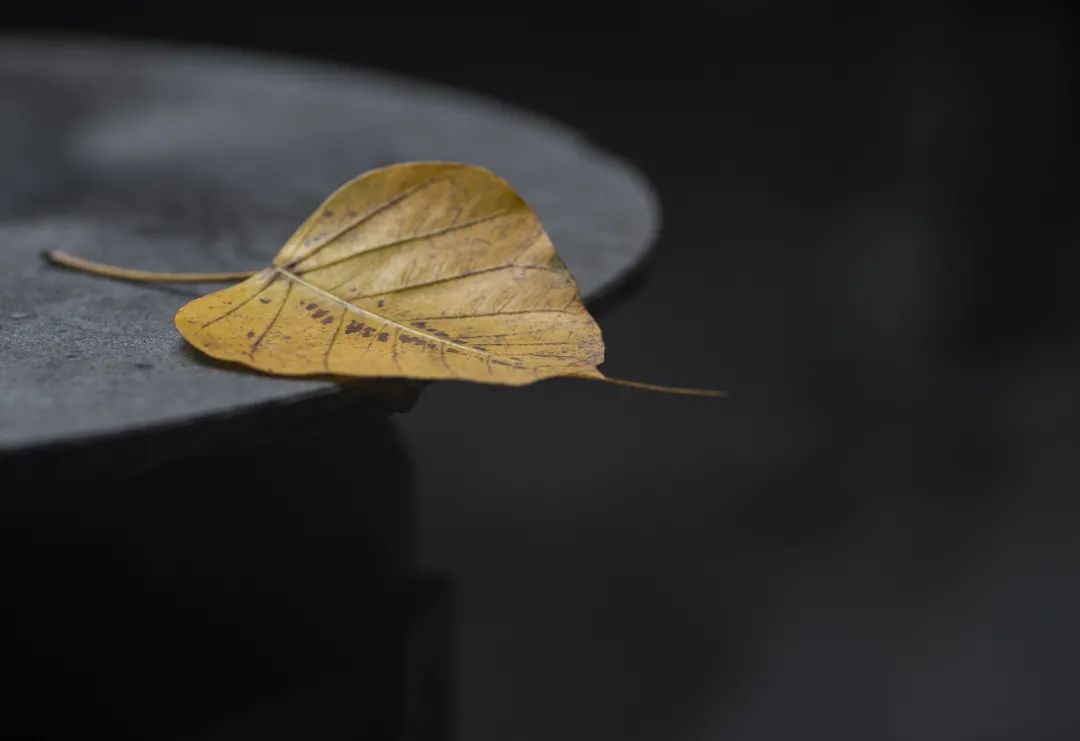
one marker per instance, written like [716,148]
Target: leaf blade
[452,244]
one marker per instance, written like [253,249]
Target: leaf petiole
[58,257]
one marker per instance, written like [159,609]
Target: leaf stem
[58,257]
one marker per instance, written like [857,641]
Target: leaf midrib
[370,314]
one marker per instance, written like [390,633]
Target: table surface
[182,159]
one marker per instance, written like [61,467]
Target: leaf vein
[333,341]
[369,215]
[397,243]
[448,279]
[242,303]
[285,300]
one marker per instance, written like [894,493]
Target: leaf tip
[657,388]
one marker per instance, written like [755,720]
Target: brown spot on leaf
[380,304]
[319,314]
[383,336]
[453,350]
[354,326]
[367,331]
[327,320]
[419,325]
[264,300]
[251,334]
[312,306]
[327,214]
[431,346]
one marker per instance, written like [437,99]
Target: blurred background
[870,240]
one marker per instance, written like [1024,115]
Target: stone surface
[181,159]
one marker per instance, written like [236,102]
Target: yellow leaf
[427,271]
[422,270]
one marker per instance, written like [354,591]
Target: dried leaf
[419,270]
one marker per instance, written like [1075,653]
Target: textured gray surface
[171,158]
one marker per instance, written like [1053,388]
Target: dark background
[870,227]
